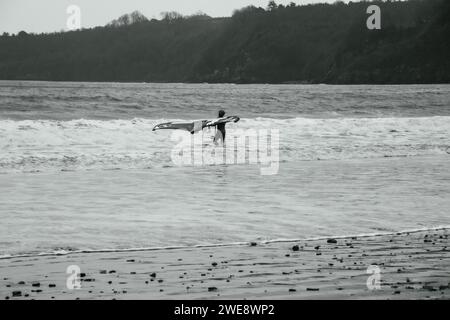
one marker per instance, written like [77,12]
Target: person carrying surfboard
[199,125]
[220,129]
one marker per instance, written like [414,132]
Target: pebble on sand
[17,293]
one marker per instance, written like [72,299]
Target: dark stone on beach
[132,272]
[26,295]
[17,293]
[429,288]
[330,264]
[212,289]
[112,271]
[312,289]
[103,272]
[21,282]
[6,298]
[397,292]
[35,284]
[253,244]
[203,274]
[146,282]
[292,290]
[318,254]
[331,241]
[160,280]
[317,248]
[8,285]
[161,290]
[214,264]
[52,285]
[109,282]
[287,255]
[295,248]
[131,260]
[37,291]
[153,275]
[82,275]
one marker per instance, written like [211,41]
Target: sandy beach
[412,265]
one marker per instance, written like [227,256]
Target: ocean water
[81,169]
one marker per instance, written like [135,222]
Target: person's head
[221,113]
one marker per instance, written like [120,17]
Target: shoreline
[287,83]
[221,245]
[412,265]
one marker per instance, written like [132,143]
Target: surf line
[255,147]
[230,244]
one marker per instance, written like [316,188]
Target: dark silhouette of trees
[321,43]
[127,19]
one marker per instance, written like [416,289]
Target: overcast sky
[50,15]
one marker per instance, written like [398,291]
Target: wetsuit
[220,132]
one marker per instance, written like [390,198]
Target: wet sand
[413,265]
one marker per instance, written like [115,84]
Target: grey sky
[50,15]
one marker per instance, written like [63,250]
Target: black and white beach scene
[209,150]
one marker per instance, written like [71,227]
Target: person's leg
[219,136]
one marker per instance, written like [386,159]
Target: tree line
[316,43]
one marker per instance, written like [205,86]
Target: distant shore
[411,266]
[300,83]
